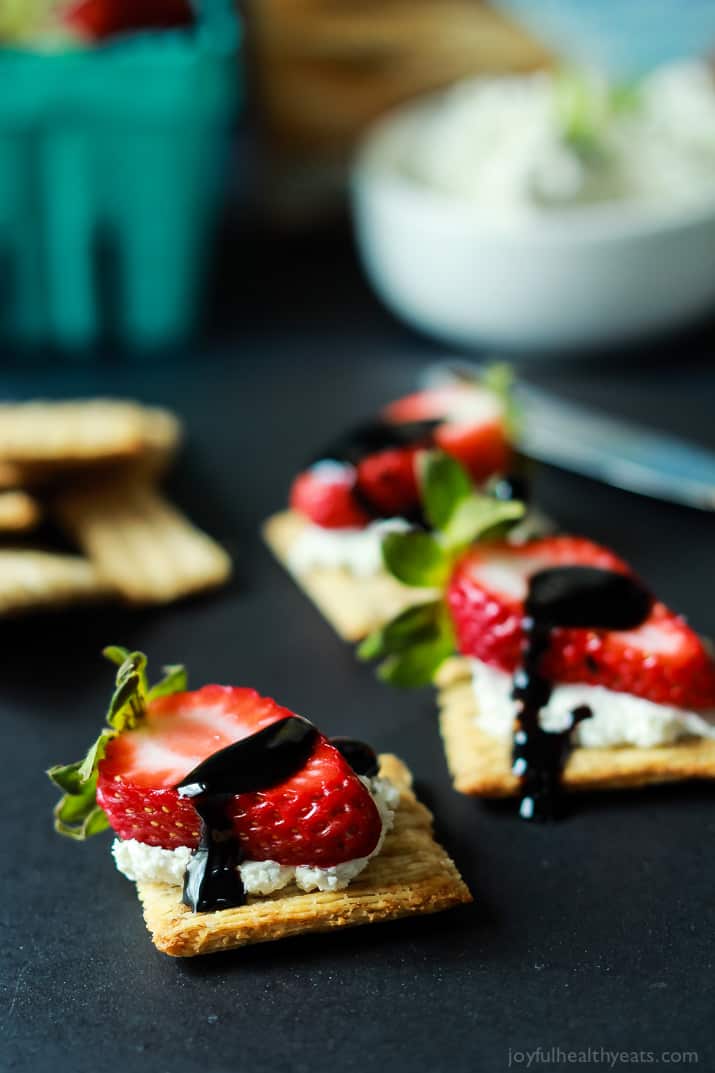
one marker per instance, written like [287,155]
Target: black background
[596,932]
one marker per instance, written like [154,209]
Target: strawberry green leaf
[477,515]
[175,680]
[444,484]
[415,644]
[77,814]
[417,623]
[116,654]
[66,776]
[95,753]
[416,666]
[499,379]
[415,558]
[93,823]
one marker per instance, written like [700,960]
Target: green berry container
[111,161]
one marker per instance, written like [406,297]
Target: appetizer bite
[556,667]
[365,485]
[227,807]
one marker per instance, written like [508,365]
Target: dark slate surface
[597,932]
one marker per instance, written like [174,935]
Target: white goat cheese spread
[502,143]
[356,550]
[618,718]
[359,550]
[153,864]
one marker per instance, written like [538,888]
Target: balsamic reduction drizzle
[369,437]
[362,759]
[212,879]
[565,596]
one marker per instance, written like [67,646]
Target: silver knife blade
[618,452]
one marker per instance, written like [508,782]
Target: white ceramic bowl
[582,277]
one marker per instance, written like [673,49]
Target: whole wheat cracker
[480,764]
[19,512]
[412,874]
[70,431]
[354,606]
[11,476]
[138,542]
[140,440]
[34,580]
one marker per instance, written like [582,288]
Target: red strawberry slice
[323,815]
[472,428]
[487,591]
[325,494]
[388,481]
[428,405]
[482,449]
[337,495]
[663,660]
[96,19]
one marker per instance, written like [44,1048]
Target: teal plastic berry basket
[110,179]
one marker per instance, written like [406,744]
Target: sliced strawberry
[322,815]
[387,481]
[325,494]
[428,405]
[472,429]
[482,449]
[487,591]
[663,660]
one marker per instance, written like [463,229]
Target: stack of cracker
[93,467]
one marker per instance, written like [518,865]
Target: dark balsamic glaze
[369,437]
[362,759]
[212,879]
[565,596]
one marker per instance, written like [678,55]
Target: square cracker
[18,512]
[31,579]
[411,874]
[139,544]
[73,431]
[11,475]
[354,606]
[138,440]
[481,764]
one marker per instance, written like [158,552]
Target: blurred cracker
[139,543]
[19,512]
[10,476]
[34,580]
[70,431]
[158,435]
[354,606]
[480,764]
[161,437]
[82,431]
[412,874]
